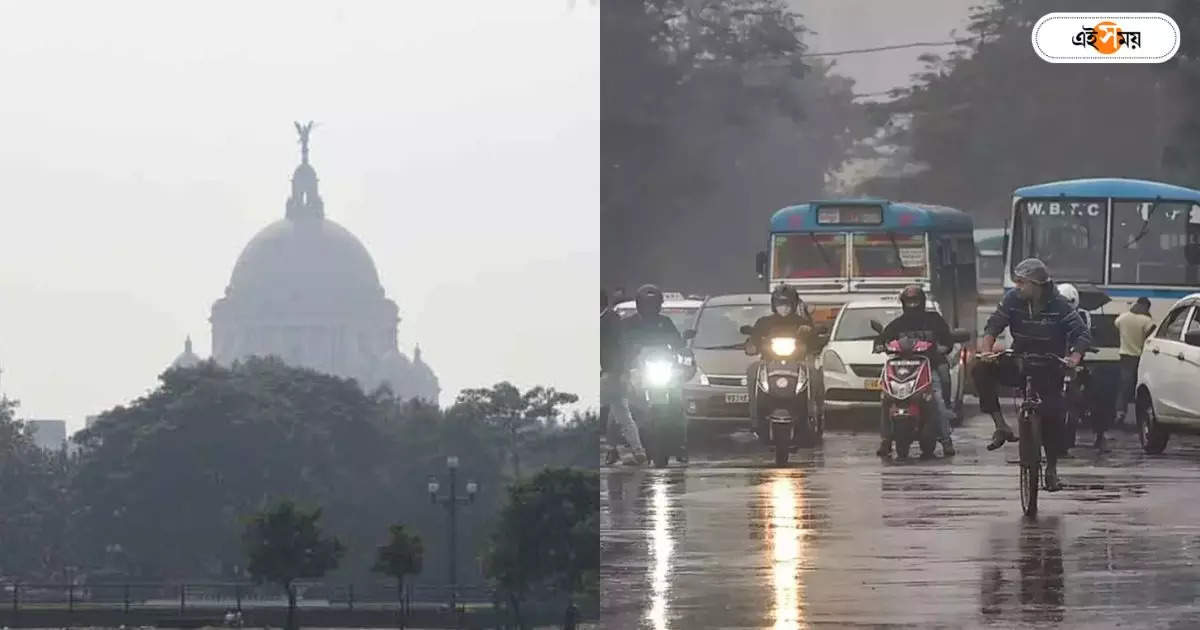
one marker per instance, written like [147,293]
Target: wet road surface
[843,539]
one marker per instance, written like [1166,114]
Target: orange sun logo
[1108,38]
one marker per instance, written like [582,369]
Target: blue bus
[1127,238]
[831,251]
[1120,238]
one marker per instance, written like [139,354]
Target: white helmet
[1069,291]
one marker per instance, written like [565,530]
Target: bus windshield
[1066,234]
[809,255]
[889,255]
[1155,243]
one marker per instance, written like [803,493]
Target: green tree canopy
[284,543]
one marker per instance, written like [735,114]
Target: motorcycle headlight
[657,373]
[831,362]
[905,389]
[783,346]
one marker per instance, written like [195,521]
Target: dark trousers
[1047,382]
[1129,370]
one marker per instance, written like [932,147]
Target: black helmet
[649,300]
[912,299]
[784,295]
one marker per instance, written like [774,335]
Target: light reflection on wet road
[840,538]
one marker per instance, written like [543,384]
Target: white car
[1168,399]
[851,369]
[681,310]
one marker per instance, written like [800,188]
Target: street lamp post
[452,502]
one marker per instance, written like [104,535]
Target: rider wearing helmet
[788,314]
[1079,385]
[1040,321]
[649,327]
[917,319]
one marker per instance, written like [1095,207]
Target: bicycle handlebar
[991,356]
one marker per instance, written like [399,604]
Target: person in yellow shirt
[1134,327]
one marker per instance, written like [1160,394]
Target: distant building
[49,434]
[89,421]
[307,291]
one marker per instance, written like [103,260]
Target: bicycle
[1029,428]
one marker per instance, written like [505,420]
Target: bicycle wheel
[1031,464]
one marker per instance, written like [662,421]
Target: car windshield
[681,317]
[1066,234]
[720,326]
[855,324]
[1155,243]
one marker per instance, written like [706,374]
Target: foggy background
[143,144]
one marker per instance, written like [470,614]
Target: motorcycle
[659,377]
[907,399]
[783,392]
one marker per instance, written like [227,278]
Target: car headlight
[783,346]
[831,362]
[657,373]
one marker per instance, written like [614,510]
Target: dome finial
[304,131]
[305,201]
[187,344]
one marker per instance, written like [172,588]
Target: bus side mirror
[960,335]
[760,265]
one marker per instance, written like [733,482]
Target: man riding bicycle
[1041,321]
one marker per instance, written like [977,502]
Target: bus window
[809,256]
[1067,234]
[895,255]
[1155,243]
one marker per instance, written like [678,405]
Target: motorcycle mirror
[960,335]
[746,330]
[750,349]
[876,326]
[689,334]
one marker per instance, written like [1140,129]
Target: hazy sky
[853,24]
[142,144]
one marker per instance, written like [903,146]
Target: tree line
[170,479]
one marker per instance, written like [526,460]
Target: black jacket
[610,342]
[1054,329]
[773,324]
[639,331]
[928,324]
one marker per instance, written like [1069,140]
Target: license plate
[734,399]
[873,384]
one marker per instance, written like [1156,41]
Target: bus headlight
[783,346]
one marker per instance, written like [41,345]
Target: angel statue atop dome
[304,131]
